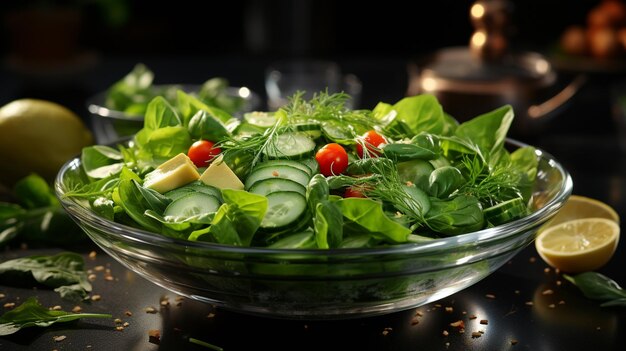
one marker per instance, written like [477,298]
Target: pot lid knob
[490,19]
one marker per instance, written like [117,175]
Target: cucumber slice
[285,172]
[193,187]
[260,119]
[283,208]
[313,130]
[290,145]
[312,164]
[192,204]
[268,186]
[290,163]
[506,211]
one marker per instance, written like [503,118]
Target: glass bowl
[320,284]
[111,125]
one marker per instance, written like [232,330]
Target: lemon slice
[579,245]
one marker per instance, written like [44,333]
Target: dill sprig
[489,186]
[389,188]
[328,108]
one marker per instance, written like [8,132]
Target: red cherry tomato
[372,141]
[202,152]
[332,158]
[353,191]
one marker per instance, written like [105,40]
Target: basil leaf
[597,286]
[100,161]
[32,314]
[65,269]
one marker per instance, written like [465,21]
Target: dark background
[188,41]
[285,27]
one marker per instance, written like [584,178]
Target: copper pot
[469,81]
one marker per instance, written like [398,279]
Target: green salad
[133,93]
[313,174]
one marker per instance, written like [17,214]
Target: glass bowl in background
[110,125]
[319,284]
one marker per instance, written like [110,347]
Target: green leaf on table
[33,191]
[65,269]
[597,286]
[32,314]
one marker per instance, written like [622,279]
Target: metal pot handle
[558,100]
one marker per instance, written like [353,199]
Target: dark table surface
[515,301]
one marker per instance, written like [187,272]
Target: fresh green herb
[64,272]
[133,92]
[205,344]
[597,286]
[36,216]
[32,314]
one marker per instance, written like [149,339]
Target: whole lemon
[38,136]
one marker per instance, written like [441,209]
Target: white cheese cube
[172,174]
[221,176]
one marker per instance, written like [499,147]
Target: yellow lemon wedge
[579,245]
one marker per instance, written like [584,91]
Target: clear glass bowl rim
[482,237]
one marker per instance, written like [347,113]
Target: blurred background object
[186,44]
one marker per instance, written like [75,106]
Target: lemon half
[38,136]
[579,245]
[578,207]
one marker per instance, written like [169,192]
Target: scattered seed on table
[92,255]
[473,316]
[529,303]
[98,268]
[546,270]
[96,298]
[547,292]
[445,333]
[514,342]
[476,334]
[126,324]
[59,338]
[210,315]
[150,309]
[154,336]
[119,328]
[551,305]
[561,302]
[9,305]
[117,321]
[2,296]
[490,296]
[56,308]
[449,309]
[77,309]
[484,321]
[532,259]
[128,313]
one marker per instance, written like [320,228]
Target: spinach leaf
[64,271]
[132,200]
[189,105]
[369,214]
[461,214]
[236,221]
[205,126]
[100,161]
[328,224]
[317,191]
[443,181]
[487,131]
[422,113]
[161,114]
[32,314]
[597,286]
